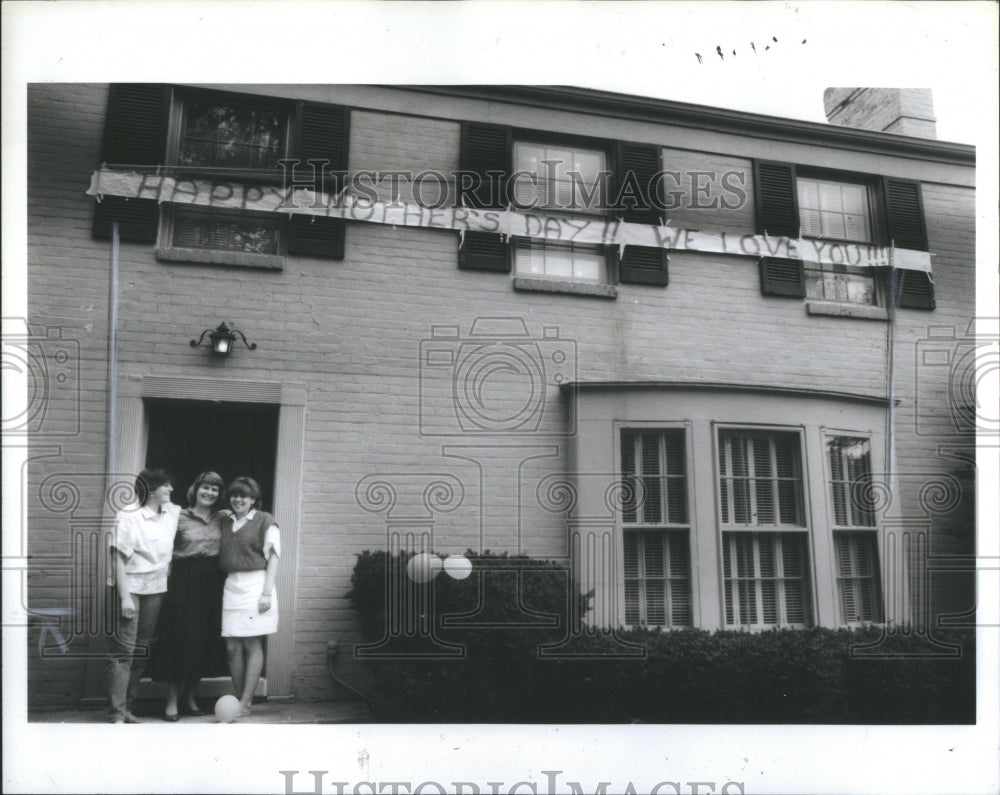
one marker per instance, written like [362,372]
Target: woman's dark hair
[245,487]
[209,478]
[148,481]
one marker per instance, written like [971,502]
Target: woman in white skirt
[248,554]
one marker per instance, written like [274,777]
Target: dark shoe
[195,712]
[171,718]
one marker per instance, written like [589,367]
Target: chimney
[903,111]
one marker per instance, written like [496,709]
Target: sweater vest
[244,549]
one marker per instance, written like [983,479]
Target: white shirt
[145,537]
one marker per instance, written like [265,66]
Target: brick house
[719,362]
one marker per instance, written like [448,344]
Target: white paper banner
[544,226]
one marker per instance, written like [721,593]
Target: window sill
[834,309]
[233,259]
[529,284]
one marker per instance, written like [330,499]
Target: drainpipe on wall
[112,464]
[93,683]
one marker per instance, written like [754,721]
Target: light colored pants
[129,648]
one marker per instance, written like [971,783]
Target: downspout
[895,556]
[111,457]
[93,689]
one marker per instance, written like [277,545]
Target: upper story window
[563,175]
[564,178]
[560,179]
[232,136]
[837,210]
[836,207]
[234,140]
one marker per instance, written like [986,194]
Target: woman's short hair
[209,478]
[148,481]
[244,487]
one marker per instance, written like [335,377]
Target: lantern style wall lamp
[222,339]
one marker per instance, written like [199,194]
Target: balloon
[457,566]
[423,567]
[227,708]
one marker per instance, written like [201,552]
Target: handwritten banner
[544,226]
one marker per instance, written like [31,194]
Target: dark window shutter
[643,265]
[138,219]
[484,251]
[485,148]
[782,277]
[322,133]
[777,199]
[905,214]
[135,139]
[642,161]
[916,291]
[316,236]
[135,130]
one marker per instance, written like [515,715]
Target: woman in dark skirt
[188,645]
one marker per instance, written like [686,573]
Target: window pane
[552,183]
[657,578]
[212,229]
[540,259]
[838,210]
[232,137]
[770,583]
[858,578]
[774,494]
[850,469]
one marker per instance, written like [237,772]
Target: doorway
[188,437]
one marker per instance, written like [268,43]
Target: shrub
[505,645]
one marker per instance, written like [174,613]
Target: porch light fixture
[222,339]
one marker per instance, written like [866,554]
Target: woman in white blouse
[249,551]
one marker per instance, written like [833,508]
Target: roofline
[722,386]
[663,111]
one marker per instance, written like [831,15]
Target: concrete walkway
[263,712]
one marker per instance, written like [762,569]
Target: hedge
[506,645]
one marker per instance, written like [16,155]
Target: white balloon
[227,708]
[423,567]
[458,566]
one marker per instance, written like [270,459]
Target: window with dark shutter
[322,133]
[135,131]
[643,265]
[782,277]
[637,164]
[483,251]
[776,195]
[485,152]
[905,214]
[916,291]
